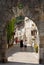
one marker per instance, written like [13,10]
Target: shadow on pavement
[18,63]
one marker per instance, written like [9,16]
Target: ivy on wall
[10,29]
[11,26]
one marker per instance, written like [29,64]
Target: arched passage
[38,13]
[29,32]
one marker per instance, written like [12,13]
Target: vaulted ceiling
[6,12]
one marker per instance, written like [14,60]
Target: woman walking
[21,43]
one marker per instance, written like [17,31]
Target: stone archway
[39,52]
[35,10]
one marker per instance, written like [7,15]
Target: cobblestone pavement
[18,56]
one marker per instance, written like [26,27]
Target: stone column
[0,45]
[41,50]
[3,47]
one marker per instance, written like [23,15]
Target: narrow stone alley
[16,54]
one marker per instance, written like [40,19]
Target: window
[33,32]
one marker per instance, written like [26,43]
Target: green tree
[10,29]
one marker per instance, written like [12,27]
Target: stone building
[31,31]
[34,9]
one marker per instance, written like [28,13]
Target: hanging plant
[20,5]
[19,19]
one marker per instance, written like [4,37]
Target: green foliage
[10,29]
[19,19]
[11,26]
[20,5]
[36,48]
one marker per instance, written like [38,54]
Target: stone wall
[3,46]
[41,50]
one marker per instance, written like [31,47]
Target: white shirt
[25,42]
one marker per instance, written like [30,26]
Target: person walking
[21,43]
[25,44]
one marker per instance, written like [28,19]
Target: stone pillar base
[41,61]
[3,61]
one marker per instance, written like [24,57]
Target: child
[25,43]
